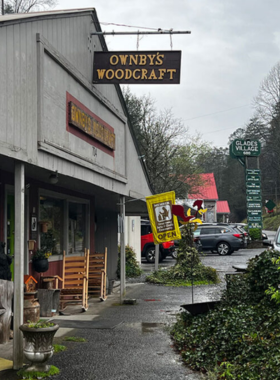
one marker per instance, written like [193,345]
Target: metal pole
[3,8]
[276,195]
[113,33]
[18,265]
[122,243]
[156,256]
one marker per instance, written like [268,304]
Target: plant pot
[200,308]
[41,265]
[38,347]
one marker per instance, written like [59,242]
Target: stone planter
[41,265]
[38,347]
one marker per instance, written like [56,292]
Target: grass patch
[74,339]
[58,348]
[34,375]
[175,283]
[271,221]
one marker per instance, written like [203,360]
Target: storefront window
[77,217]
[51,213]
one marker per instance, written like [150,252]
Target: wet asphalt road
[139,348]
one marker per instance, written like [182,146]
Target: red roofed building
[223,210]
[208,193]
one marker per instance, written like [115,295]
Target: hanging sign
[137,67]
[253,172]
[164,225]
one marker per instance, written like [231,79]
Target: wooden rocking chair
[97,275]
[75,280]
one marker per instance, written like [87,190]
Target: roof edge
[16,18]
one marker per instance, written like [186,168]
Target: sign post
[242,150]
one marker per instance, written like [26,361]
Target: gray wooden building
[68,154]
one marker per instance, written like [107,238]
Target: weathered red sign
[91,126]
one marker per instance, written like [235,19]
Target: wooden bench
[75,271]
[97,275]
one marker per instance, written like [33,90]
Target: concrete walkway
[123,341]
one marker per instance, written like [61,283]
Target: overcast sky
[232,46]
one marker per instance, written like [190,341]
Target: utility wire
[129,26]
[215,113]
[219,130]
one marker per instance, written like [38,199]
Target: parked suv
[148,245]
[223,239]
[240,227]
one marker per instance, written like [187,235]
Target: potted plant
[38,347]
[40,260]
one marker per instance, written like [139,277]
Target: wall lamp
[53,178]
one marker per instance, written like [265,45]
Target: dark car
[148,245]
[221,238]
[239,227]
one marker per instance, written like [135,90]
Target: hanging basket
[41,265]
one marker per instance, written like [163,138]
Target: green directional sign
[255,214]
[253,171]
[253,178]
[254,205]
[254,198]
[254,218]
[242,148]
[253,191]
[255,225]
[253,185]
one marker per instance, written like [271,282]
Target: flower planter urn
[38,347]
[41,265]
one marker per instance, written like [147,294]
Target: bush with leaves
[240,338]
[188,266]
[263,272]
[132,268]
[255,233]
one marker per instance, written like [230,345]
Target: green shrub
[255,233]
[132,268]
[188,268]
[239,339]
[237,291]
[263,272]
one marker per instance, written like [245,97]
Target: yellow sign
[164,225]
